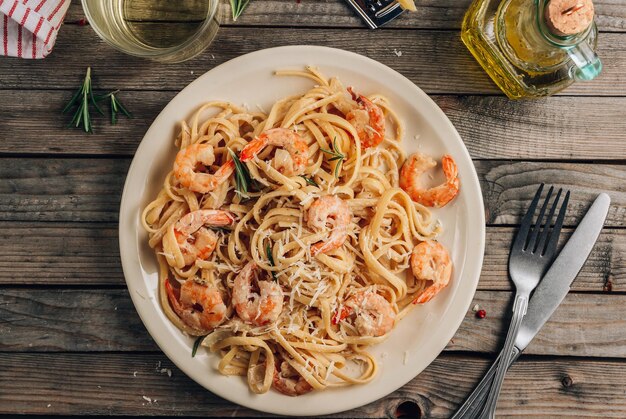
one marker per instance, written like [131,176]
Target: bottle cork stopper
[569,17]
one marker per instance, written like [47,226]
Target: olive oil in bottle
[533,48]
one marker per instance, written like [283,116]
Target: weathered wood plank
[48,130]
[88,254]
[69,384]
[61,254]
[430,14]
[556,128]
[61,189]
[71,320]
[508,188]
[64,189]
[424,54]
[105,320]
[583,325]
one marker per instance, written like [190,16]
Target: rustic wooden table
[71,342]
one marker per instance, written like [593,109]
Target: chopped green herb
[237,7]
[336,156]
[310,181]
[270,258]
[196,344]
[82,99]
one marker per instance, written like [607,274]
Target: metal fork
[531,255]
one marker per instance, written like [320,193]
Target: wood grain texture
[63,254]
[87,254]
[508,188]
[493,127]
[68,189]
[61,189]
[430,14]
[583,325]
[105,320]
[71,342]
[436,61]
[115,384]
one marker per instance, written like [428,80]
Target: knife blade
[551,291]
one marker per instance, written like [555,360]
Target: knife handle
[473,405]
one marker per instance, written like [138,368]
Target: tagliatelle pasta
[286,239]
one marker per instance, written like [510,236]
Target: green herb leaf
[81,100]
[237,7]
[196,344]
[270,258]
[116,106]
[243,180]
[310,181]
[336,156]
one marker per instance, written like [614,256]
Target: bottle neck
[587,64]
[561,41]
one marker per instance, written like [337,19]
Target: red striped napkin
[28,28]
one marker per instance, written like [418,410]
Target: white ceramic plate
[420,337]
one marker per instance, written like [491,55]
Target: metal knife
[547,296]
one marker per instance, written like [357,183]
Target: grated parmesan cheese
[320,289]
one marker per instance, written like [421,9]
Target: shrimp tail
[253,148]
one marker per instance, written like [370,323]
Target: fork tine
[556,231]
[537,226]
[546,225]
[522,234]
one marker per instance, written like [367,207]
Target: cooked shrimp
[430,261]
[256,308]
[198,306]
[288,381]
[196,155]
[286,139]
[438,196]
[374,314]
[196,241]
[368,120]
[334,210]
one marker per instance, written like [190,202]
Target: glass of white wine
[162,30]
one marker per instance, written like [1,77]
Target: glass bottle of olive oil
[533,48]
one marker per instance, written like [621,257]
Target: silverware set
[532,262]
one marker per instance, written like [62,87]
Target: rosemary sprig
[270,258]
[116,106]
[243,180]
[82,99]
[237,7]
[196,344]
[336,156]
[310,181]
